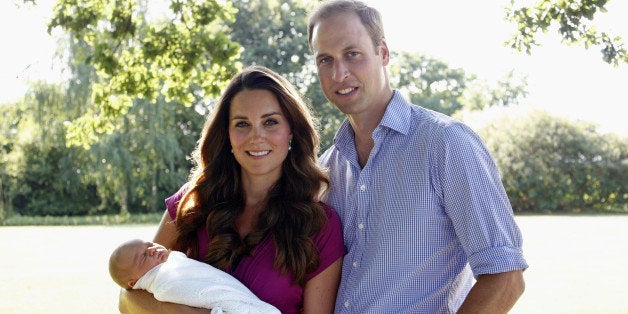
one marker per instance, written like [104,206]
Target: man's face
[351,69]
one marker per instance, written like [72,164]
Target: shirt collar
[396,117]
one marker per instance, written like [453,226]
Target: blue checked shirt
[425,215]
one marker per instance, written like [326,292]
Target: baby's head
[132,259]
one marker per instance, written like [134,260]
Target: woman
[250,205]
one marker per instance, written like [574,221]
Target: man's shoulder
[426,119]
[325,157]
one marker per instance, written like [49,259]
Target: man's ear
[385,52]
[132,282]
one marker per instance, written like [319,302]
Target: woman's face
[259,134]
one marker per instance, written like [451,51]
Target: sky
[566,80]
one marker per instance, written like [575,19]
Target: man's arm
[494,293]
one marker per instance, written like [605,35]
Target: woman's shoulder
[332,226]
[329,211]
[329,240]
[172,202]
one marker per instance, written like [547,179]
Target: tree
[44,174]
[552,164]
[432,84]
[143,159]
[187,55]
[574,19]
[480,94]
[428,82]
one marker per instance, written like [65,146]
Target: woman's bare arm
[166,232]
[319,294]
[142,301]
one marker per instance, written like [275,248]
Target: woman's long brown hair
[215,198]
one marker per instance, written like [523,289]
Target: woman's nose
[257,134]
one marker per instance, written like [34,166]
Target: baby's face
[144,256]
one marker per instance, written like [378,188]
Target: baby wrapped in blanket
[173,277]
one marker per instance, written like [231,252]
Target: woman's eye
[271,122]
[241,124]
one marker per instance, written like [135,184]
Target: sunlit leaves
[573,19]
[187,54]
[428,82]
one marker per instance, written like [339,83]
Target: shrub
[552,164]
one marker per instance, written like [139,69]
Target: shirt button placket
[361,211]
[362,199]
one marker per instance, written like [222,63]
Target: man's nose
[340,72]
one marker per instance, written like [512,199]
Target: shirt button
[347,304]
[362,187]
[355,264]
[360,226]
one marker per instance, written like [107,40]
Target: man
[421,201]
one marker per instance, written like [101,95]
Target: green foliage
[428,82]
[144,161]
[480,95]
[573,18]
[279,38]
[139,90]
[432,84]
[129,171]
[40,169]
[188,54]
[551,164]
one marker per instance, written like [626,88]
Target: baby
[173,277]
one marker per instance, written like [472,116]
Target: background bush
[552,164]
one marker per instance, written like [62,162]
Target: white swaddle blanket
[186,281]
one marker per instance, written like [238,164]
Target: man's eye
[353,53]
[324,60]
